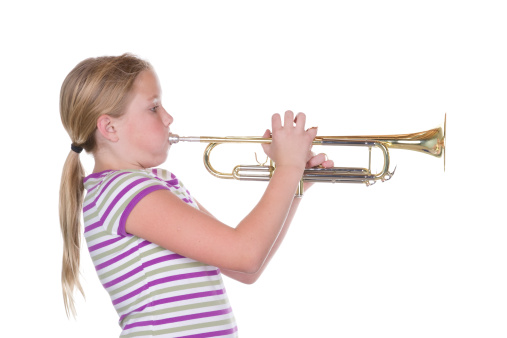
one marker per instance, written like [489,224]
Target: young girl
[156,250]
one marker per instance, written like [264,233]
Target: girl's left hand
[315,161]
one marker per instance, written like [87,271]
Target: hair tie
[76,148]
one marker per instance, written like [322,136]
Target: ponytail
[95,87]
[71,200]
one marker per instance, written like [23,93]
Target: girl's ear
[106,127]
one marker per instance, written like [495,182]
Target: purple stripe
[170,183]
[212,334]
[95,175]
[176,299]
[123,255]
[140,268]
[92,204]
[93,188]
[165,280]
[123,277]
[179,318]
[132,204]
[187,297]
[173,183]
[103,244]
[115,200]
[94,225]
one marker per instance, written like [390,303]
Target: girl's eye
[154,109]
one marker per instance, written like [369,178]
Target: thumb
[265,146]
[312,132]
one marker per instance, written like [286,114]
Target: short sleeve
[120,193]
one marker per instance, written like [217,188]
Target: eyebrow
[154,98]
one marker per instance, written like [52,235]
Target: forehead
[146,85]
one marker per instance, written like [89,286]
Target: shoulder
[132,182]
[128,177]
[113,194]
[117,187]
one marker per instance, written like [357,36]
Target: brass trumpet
[431,142]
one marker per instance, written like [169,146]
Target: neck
[108,160]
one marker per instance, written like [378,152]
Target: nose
[166,118]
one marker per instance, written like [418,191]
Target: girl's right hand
[291,143]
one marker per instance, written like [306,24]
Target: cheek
[137,135]
[145,133]
[149,135]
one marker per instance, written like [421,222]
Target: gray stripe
[179,329]
[180,308]
[168,290]
[135,259]
[155,272]
[133,193]
[116,250]
[112,191]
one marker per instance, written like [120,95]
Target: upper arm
[164,219]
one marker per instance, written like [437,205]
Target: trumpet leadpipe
[174,138]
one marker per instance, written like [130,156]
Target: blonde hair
[96,86]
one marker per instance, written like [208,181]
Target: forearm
[281,235]
[250,278]
[261,229]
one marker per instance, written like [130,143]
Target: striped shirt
[156,292]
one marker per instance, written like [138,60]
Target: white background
[423,255]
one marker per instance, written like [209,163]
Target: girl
[156,250]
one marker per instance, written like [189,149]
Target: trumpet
[431,142]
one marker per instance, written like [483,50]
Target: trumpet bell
[431,142]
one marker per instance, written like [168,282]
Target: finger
[312,132]
[328,164]
[300,121]
[310,155]
[267,134]
[320,160]
[276,122]
[316,160]
[288,119]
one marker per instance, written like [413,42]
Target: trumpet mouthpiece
[173,138]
